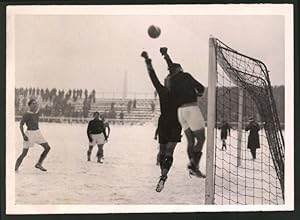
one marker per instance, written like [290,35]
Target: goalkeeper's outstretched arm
[155,81]
[164,53]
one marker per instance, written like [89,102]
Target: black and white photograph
[149,108]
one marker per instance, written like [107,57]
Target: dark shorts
[169,131]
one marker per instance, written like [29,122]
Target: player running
[169,129]
[96,133]
[225,130]
[185,90]
[32,135]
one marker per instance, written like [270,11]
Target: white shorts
[35,137]
[190,117]
[97,139]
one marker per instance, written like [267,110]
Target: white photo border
[285,10]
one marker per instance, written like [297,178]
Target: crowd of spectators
[55,102]
[70,103]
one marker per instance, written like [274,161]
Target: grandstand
[63,107]
[77,106]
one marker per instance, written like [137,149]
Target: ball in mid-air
[154,31]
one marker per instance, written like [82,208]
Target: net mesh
[244,91]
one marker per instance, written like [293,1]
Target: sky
[95,51]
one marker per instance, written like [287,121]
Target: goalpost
[239,88]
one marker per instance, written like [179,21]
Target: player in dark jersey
[32,135]
[169,129]
[225,130]
[97,136]
[186,90]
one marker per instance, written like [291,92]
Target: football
[154,31]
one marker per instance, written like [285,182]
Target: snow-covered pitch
[127,176]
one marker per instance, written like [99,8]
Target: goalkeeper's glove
[163,51]
[145,55]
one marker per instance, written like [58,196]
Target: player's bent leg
[166,163]
[168,160]
[190,142]
[197,153]
[162,155]
[43,156]
[20,158]
[170,147]
[162,158]
[196,124]
[89,152]
[200,136]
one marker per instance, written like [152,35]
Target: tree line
[227,104]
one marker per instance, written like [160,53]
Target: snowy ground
[128,176]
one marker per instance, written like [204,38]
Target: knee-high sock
[197,150]
[196,158]
[190,144]
[166,164]
[161,160]
[89,152]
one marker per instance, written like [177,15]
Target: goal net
[239,89]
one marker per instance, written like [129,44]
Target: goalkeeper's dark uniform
[169,128]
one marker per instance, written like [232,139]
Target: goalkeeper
[169,129]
